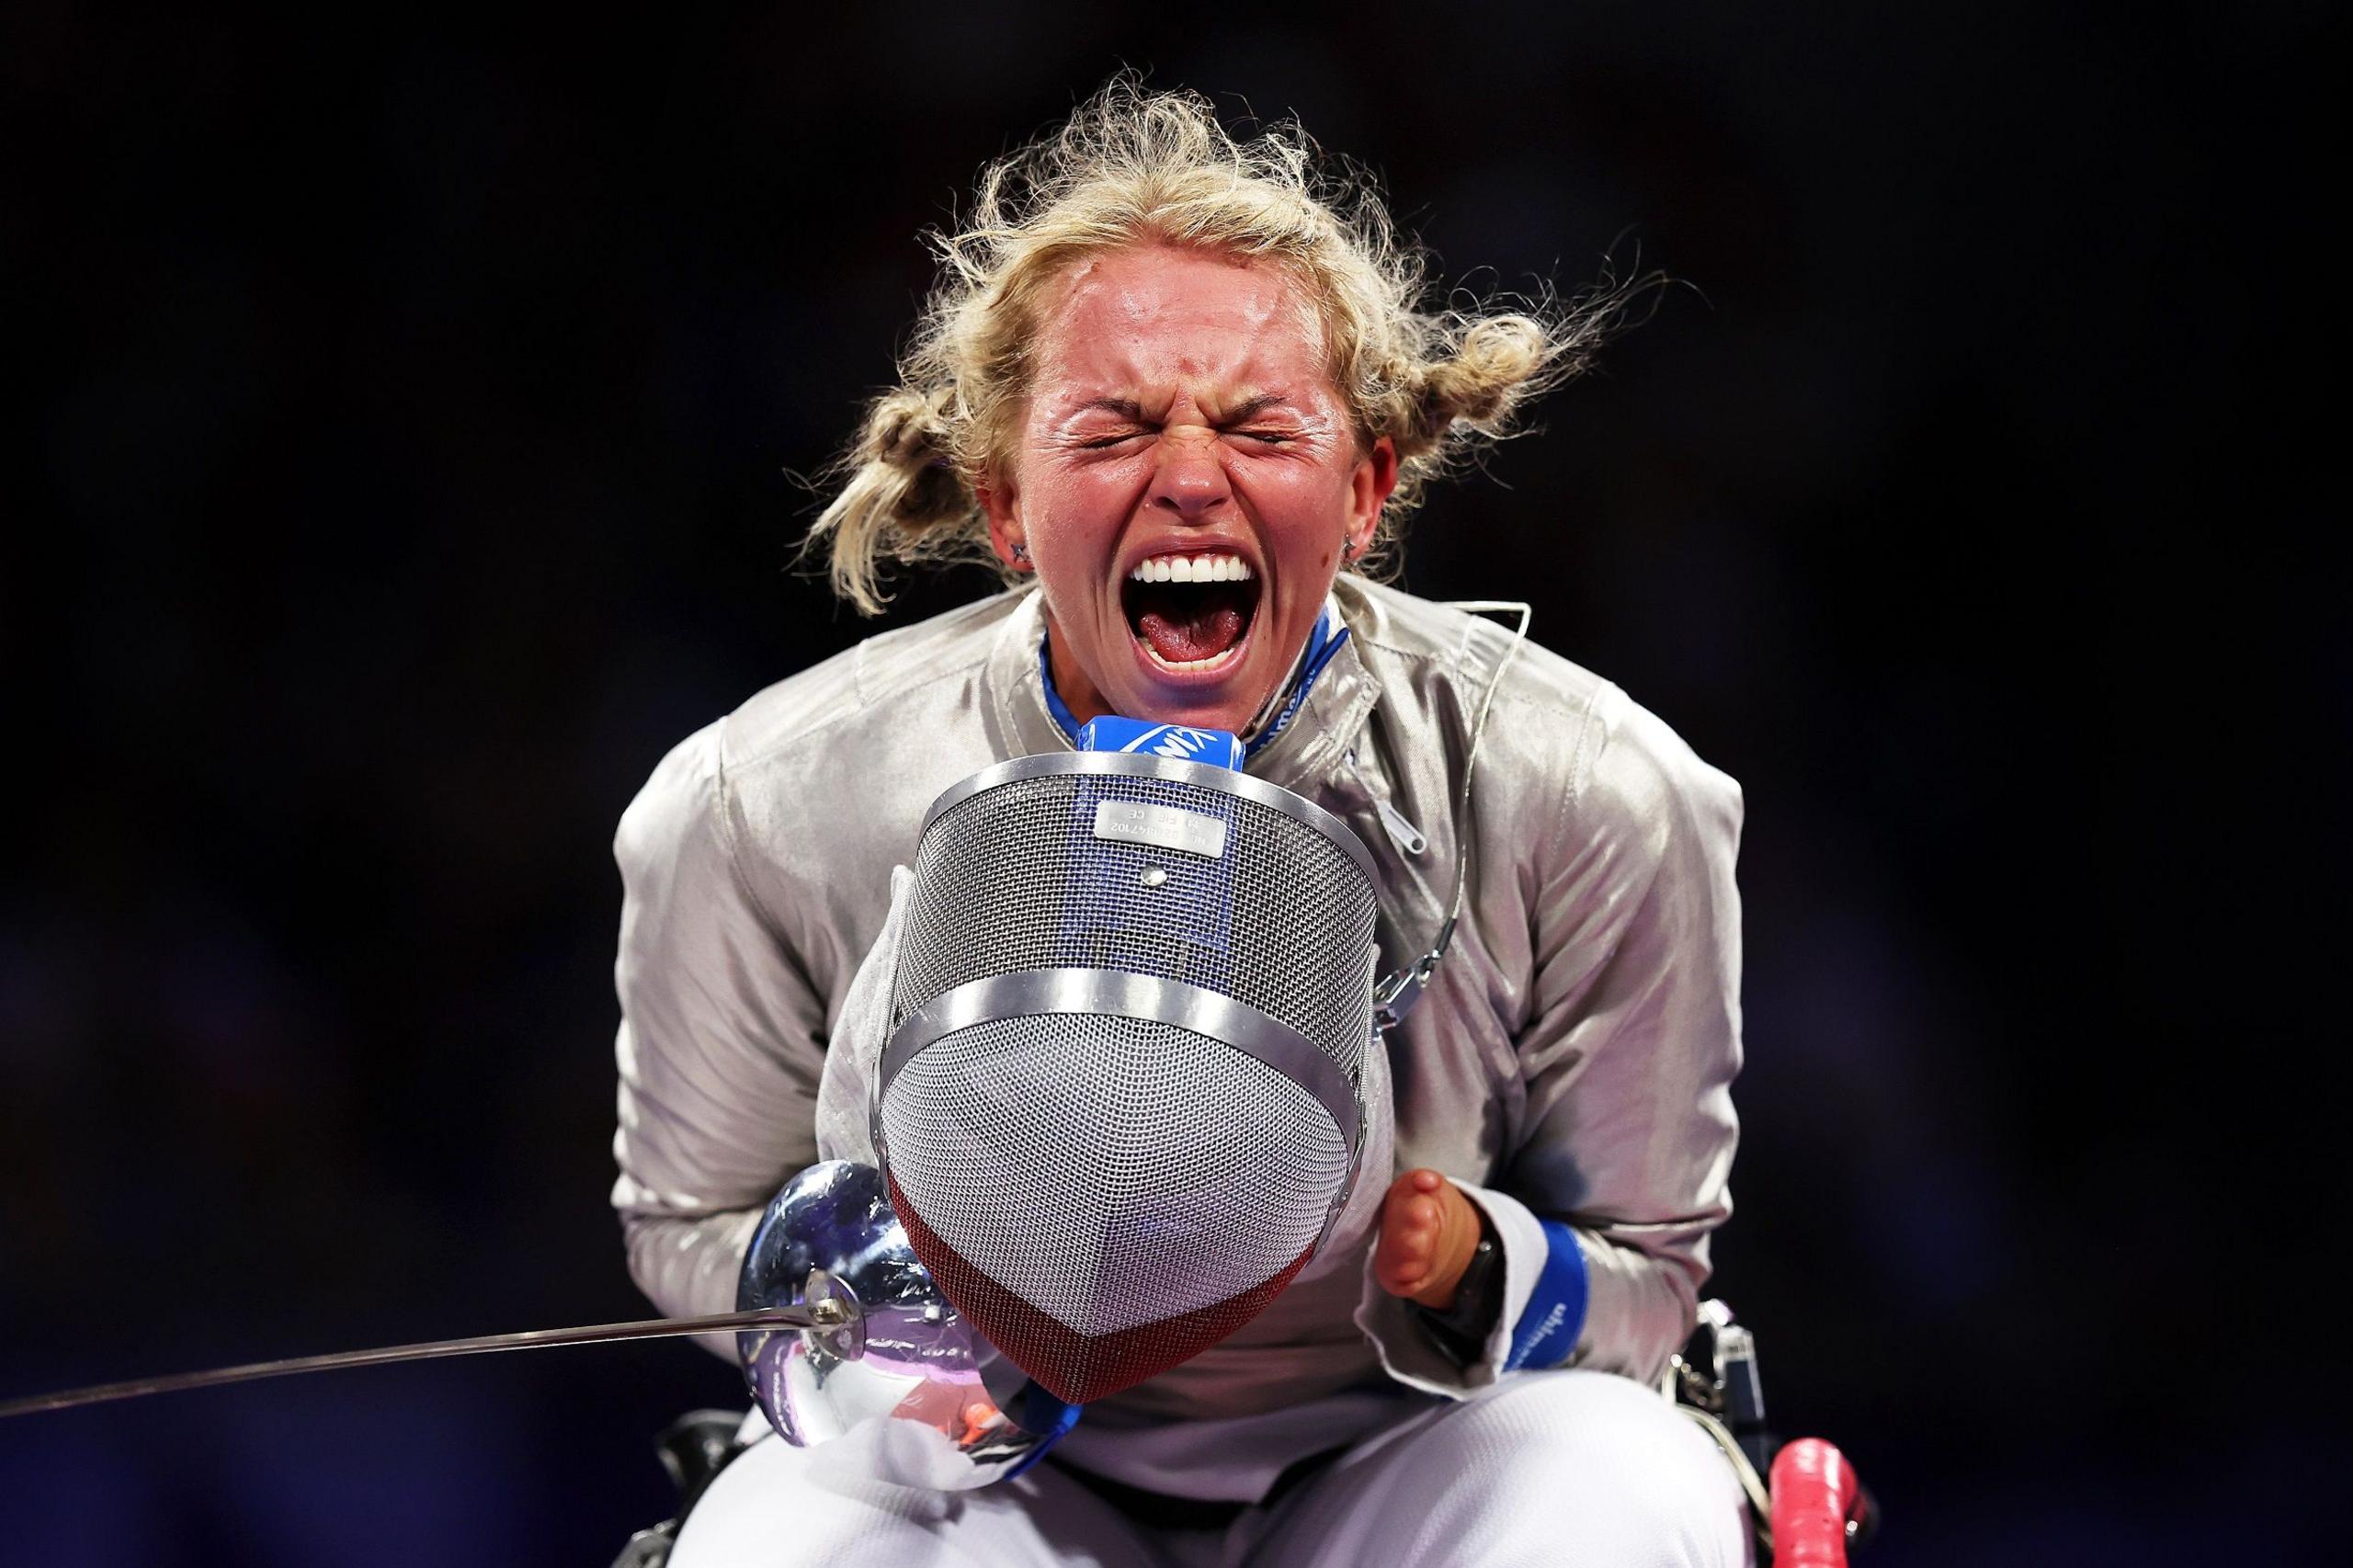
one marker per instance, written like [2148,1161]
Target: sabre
[828,1315]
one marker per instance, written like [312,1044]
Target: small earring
[1020,554]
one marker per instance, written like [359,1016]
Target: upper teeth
[1191,569]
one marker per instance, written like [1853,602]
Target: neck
[1072,683]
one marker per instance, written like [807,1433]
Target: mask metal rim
[1150,998]
[1138,765]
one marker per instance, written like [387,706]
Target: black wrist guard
[1461,1331]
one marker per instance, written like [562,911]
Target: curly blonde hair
[1134,166]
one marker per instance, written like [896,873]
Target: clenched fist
[1429,1231]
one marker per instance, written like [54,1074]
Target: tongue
[1201,629]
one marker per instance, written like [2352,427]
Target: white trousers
[1560,1469]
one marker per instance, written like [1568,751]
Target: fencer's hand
[1429,1231]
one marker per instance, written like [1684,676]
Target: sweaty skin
[1179,408]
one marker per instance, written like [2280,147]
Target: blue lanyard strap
[1323,642]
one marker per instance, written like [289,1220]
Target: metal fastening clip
[1394,998]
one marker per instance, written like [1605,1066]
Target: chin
[1231,718]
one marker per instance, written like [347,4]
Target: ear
[1369,489]
[1008,539]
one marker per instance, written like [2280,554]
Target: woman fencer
[1180,388]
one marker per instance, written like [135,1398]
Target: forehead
[1160,316]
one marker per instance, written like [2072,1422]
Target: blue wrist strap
[1546,1334]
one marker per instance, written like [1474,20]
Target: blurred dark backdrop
[403,415]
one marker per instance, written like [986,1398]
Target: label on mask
[1162,827]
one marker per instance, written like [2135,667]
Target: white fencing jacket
[1573,1057]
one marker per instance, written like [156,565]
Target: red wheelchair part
[1816,1498]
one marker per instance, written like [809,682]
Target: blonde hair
[1133,166]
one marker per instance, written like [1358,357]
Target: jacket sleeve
[720,1047]
[1633,1042]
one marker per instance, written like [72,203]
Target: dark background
[399,468]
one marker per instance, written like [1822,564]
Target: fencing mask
[1121,1098]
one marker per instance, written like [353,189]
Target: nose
[1188,478]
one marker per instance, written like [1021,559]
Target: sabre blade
[429,1350]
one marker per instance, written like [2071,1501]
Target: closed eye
[1267,438]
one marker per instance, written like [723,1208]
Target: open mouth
[1191,612]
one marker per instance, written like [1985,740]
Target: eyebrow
[1255,405]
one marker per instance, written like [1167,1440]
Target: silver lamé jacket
[1574,1055]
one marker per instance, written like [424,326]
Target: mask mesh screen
[1014,878]
[1106,1196]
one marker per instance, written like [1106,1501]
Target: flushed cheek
[1088,506]
[1302,516]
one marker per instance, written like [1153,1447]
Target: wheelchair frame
[1805,1503]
